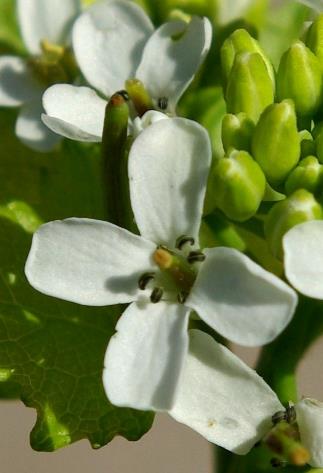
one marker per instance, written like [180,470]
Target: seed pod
[237,132]
[299,78]
[250,88]
[276,142]
[240,185]
[240,41]
[307,175]
[299,207]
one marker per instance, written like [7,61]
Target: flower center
[54,65]
[177,271]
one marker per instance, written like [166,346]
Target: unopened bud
[299,78]
[237,132]
[319,144]
[276,143]
[239,184]
[307,175]
[308,147]
[250,87]
[299,207]
[240,41]
[314,37]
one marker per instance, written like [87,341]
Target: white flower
[309,416]
[303,258]
[96,263]
[115,41]
[39,20]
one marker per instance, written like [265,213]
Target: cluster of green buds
[272,134]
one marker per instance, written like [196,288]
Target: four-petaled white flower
[96,263]
[115,41]
[39,20]
[231,405]
[303,258]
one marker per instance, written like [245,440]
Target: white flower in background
[96,263]
[230,10]
[43,24]
[303,258]
[232,406]
[115,41]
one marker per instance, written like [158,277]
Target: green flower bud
[314,37]
[299,207]
[240,41]
[319,146]
[307,175]
[239,184]
[250,87]
[237,132]
[308,147]
[276,143]
[299,78]
[271,195]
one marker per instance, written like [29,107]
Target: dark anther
[124,94]
[144,280]
[162,103]
[156,295]
[276,463]
[182,296]
[289,415]
[182,240]
[195,257]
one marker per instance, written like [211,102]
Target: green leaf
[51,351]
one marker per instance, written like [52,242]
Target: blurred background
[169,447]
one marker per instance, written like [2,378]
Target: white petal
[74,112]
[16,82]
[87,261]
[230,10]
[239,299]
[144,358]
[168,167]
[108,40]
[42,19]
[309,415]
[303,258]
[222,398]
[31,130]
[168,64]
[141,123]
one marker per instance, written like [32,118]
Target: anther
[182,296]
[182,240]
[289,415]
[124,94]
[195,257]
[156,295]
[162,103]
[278,417]
[145,279]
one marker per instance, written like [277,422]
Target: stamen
[195,257]
[145,279]
[156,295]
[182,296]
[182,240]
[124,94]
[162,103]
[163,257]
[289,415]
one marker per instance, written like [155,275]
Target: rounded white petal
[17,85]
[74,112]
[108,40]
[239,299]
[303,258]
[87,261]
[168,168]
[42,19]
[222,398]
[309,416]
[172,56]
[31,130]
[144,358]
[141,123]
